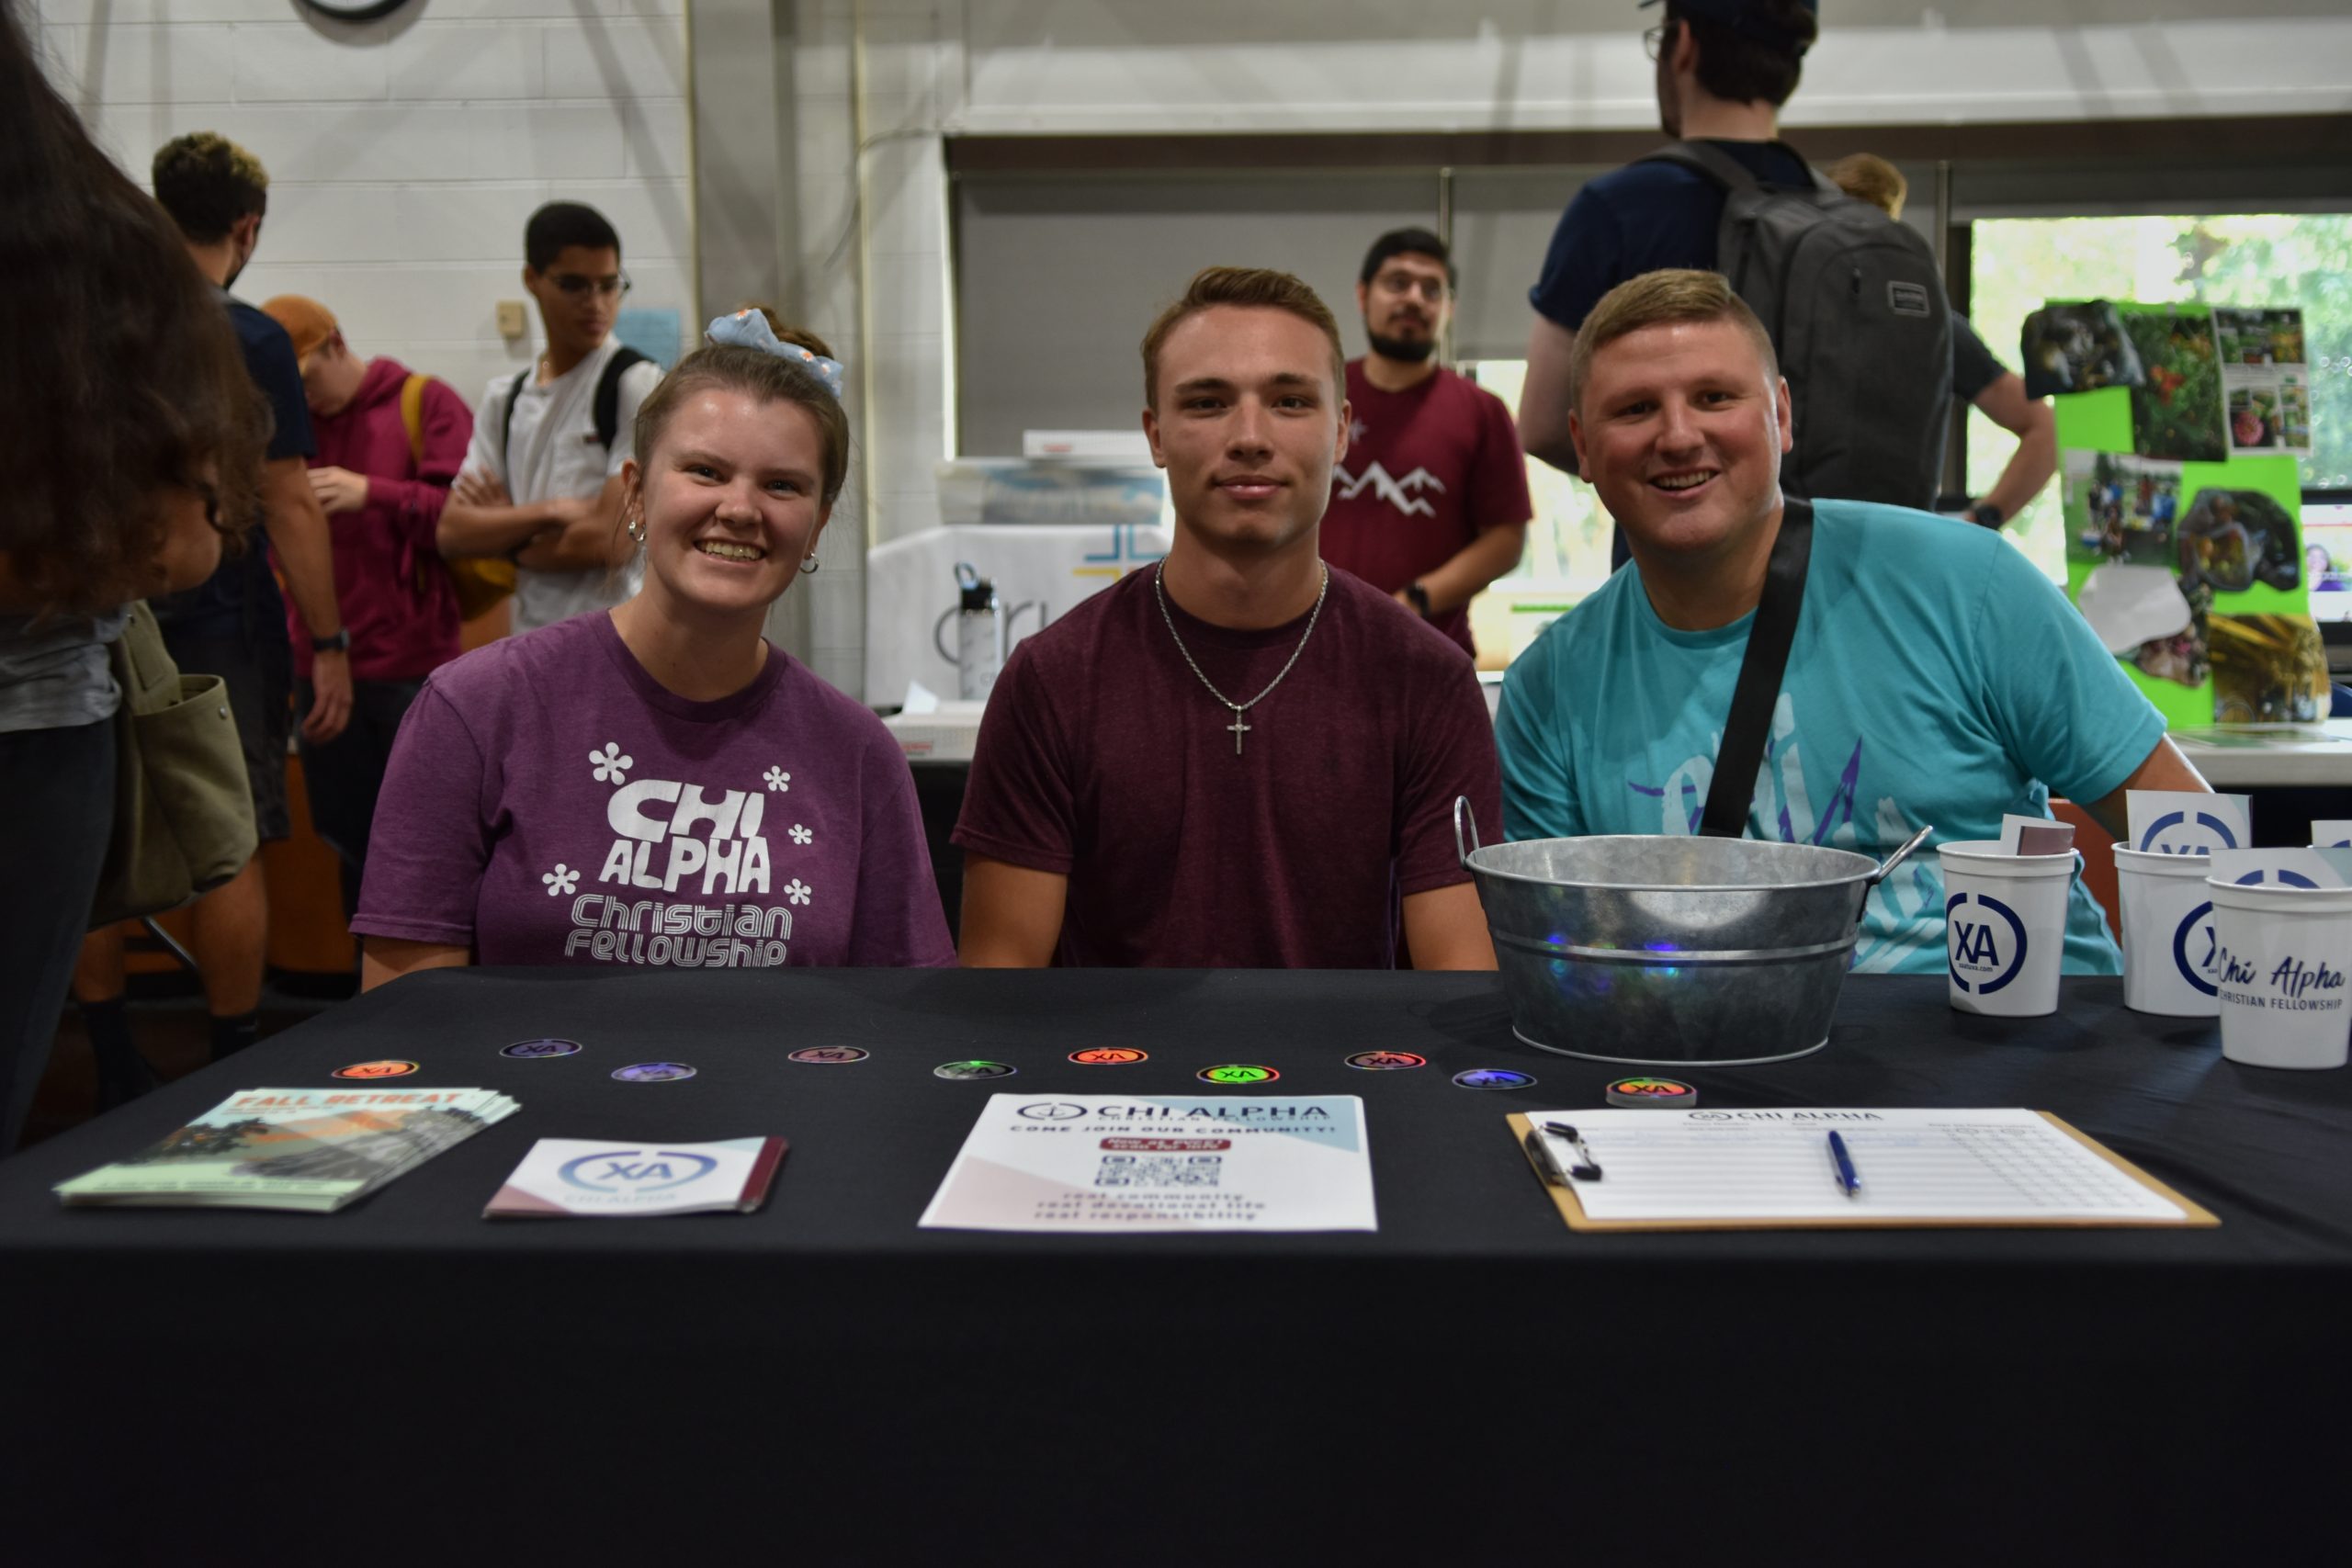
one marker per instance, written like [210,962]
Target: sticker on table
[1493,1078]
[1386,1061]
[653,1072]
[1109,1056]
[539,1050]
[376,1070]
[1652,1092]
[1237,1073]
[829,1056]
[965,1071]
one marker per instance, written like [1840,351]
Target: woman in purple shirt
[658,785]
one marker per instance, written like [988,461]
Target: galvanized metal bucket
[1671,951]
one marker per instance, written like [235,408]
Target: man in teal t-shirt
[1936,677]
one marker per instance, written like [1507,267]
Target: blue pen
[1848,1177]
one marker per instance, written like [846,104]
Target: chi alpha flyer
[1038,1162]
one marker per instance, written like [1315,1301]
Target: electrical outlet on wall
[512,322]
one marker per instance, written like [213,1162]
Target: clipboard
[1572,1211]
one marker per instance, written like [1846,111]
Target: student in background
[656,783]
[1430,504]
[542,481]
[131,437]
[1724,69]
[1977,377]
[388,443]
[1240,758]
[233,626]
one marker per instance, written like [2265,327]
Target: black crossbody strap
[506,427]
[1769,636]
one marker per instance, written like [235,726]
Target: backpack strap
[1728,172]
[1769,636]
[506,426]
[607,405]
[412,417]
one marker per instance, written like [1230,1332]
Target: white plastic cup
[2284,956]
[2168,942]
[2005,926]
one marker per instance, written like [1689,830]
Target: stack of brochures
[309,1149]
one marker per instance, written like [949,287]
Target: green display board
[2152,480]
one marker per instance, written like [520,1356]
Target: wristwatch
[1419,597]
[339,643]
[1987,514]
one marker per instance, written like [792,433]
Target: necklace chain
[1238,725]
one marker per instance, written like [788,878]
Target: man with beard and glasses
[1430,504]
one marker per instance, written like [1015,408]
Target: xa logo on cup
[2284,878]
[1387,1061]
[2175,833]
[1052,1110]
[635,1170]
[974,1069]
[1237,1073]
[1985,954]
[2196,935]
[1109,1056]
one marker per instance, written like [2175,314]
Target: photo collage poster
[2184,537]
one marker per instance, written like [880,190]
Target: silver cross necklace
[1241,726]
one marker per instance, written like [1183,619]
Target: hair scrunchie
[750,328]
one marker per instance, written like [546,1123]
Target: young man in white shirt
[542,483]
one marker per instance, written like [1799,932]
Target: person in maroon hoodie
[388,443]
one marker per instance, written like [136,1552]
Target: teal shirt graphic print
[1936,677]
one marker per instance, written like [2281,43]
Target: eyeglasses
[1429,288]
[1654,41]
[574,283]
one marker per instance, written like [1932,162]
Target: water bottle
[979,635]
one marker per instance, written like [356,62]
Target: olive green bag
[183,806]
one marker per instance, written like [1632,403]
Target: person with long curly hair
[131,438]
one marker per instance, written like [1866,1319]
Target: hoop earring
[808,565]
[637,529]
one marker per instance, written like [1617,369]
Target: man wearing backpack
[388,443]
[1912,671]
[1852,300]
[542,486]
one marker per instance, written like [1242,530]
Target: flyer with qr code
[1132,1164]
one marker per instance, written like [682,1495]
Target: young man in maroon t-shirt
[383,485]
[1430,504]
[1236,757]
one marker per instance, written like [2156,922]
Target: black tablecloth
[1471,1378]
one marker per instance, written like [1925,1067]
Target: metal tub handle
[1462,818]
[1897,858]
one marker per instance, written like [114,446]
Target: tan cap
[306,322]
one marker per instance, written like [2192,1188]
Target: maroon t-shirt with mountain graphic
[1426,469]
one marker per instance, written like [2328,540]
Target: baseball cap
[306,322]
[1750,19]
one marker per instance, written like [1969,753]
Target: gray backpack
[1856,311]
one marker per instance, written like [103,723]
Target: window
[1568,542]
